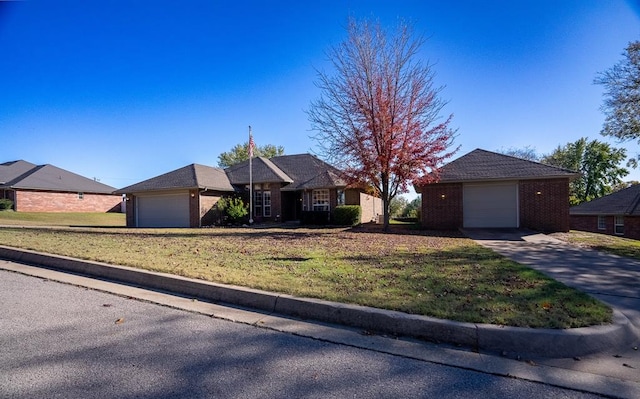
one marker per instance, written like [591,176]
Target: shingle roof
[300,171]
[263,171]
[192,176]
[482,165]
[47,177]
[623,202]
[297,172]
[308,172]
[12,170]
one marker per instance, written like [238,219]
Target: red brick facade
[49,201]
[543,205]
[442,206]
[631,228]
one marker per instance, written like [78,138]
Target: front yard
[445,276]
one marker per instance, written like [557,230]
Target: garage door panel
[490,205]
[169,210]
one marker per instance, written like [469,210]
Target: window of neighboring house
[602,222]
[266,199]
[619,225]
[80,195]
[341,197]
[257,203]
[320,200]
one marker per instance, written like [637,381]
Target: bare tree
[378,115]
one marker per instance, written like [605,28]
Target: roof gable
[309,172]
[263,170]
[623,202]
[192,176]
[482,165]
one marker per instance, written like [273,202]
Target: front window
[619,225]
[257,203]
[341,197]
[602,222]
[320,200]
[266,199]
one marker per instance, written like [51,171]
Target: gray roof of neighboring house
[192,176]
[623,202]
[12,170]
[482,165]
[27,176]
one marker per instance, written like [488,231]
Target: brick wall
[276,202]
[131,210]
[371,208]
[544,204]
[442,206]
[48,201]
[590,223]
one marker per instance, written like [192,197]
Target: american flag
[251,145]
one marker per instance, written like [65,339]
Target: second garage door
[166,210]
[490,205]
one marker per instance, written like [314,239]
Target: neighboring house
[283,188]
[47,188]
[616,214]
[484,189]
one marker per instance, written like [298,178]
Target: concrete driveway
[612,279]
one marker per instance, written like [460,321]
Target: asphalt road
[63,341]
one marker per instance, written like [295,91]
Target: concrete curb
[540,342]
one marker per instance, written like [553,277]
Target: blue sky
[126,90]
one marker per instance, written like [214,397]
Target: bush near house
[347,215]
[232,209]
[5,204]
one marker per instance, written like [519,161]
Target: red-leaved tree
[378,116]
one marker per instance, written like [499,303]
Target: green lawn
[445,276]
[603,242]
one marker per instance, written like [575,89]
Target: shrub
[233,208]
[347,215]
[5,204]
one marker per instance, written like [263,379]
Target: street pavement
[92,338]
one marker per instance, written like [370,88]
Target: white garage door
[166,210]
[490,205]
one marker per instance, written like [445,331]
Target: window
[341,200]
[257,203]
[320,200]
[619,225]
[80,195]
[266,199]
[602,222]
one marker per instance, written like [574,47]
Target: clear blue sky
[126,90]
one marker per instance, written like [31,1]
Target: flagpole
[250,179]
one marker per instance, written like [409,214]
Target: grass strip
[440,275]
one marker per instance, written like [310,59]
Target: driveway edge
[541,342]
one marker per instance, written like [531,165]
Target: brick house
[615,214]
[47,188]
[483,189]
[283,188]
